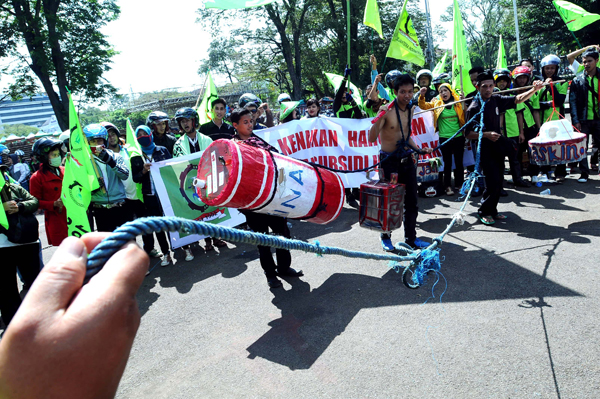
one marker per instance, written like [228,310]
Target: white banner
[337,143]
[173,182]
[343,144]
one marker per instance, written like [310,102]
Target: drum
[557,144]
[237,175]
[427,171]
[381,205]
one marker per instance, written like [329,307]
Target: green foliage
[297,40]
[65,48]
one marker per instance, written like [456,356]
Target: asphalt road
[517,319]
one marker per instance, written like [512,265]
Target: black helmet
[502,73]
[441,78]
[43,146]
[187,113]
[156,117]
[108,126]
[248,98]
[391,77]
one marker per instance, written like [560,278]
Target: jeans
[407,175]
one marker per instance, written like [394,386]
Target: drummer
[258,222]
[493,144]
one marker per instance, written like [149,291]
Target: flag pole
[348,30]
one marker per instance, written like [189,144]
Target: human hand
[10,207]
[58,205]
[491,135]
[347,71]
[578,126]
[264,107]
[373,61]
[147,166]
[422,91]
[103,155]
[427,150]
[378,79]
[76,340]
[521,138]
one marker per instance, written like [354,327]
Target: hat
[287,107]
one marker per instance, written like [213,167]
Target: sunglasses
[253,110]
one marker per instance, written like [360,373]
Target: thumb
[60,279]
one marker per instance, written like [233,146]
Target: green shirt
[591,101]
[448,123]
[547,96]
[527,115]
[369,110]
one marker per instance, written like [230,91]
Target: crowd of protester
[128,191]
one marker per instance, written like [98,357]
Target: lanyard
[397,108]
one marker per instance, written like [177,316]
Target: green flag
[231,4]
[131,138]
[134,149]
[372,17]
[81,177]
[574,16]
[336,82]
[405,43]
[501,62]
[3,219]
[440,67]
[210,94]
[460,56]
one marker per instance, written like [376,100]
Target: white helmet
[283,97]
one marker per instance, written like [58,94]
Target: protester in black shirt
[494,145]
[217,128]
[158,122]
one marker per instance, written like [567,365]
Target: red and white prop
[557,144]
[381,205]
[237,175]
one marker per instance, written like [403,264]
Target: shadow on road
[311,320]
[227,262]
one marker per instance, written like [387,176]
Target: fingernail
[74,246]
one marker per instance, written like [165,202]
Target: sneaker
[166,260]
[386,243]
[290,273]
[274,282]
[418,244]
[155,253]
[582,179]
[188,255]
[352,202]
[522,183]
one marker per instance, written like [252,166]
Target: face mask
[55,162]
[144,141]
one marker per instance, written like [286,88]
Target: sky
[161,45]
[182,44]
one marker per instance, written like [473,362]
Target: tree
[223,57]
[65,48]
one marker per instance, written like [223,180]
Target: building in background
[34,111]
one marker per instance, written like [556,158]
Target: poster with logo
[173,182]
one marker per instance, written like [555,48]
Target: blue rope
[129,231]
[421,261]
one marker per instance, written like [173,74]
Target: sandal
[500,217]
[208,246]
[487,220]
[219,243]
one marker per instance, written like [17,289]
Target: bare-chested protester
[398,153]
